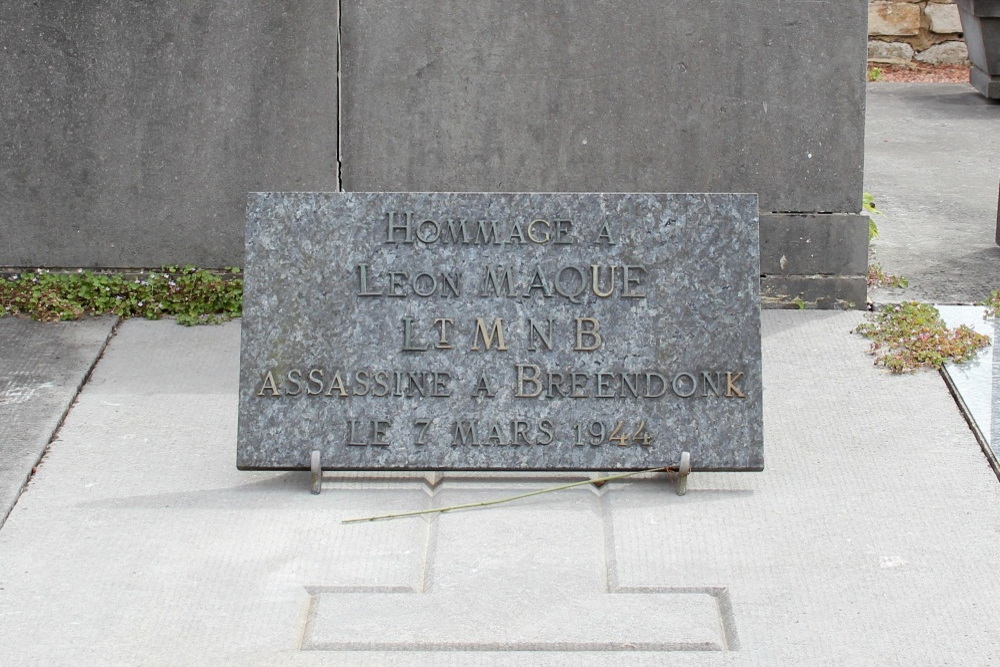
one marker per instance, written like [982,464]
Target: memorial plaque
[501,331]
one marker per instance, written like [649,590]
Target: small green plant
[992,304]
[868,204]
[912,335]
[799,303]
[877,277]
[874,74]
[190,295]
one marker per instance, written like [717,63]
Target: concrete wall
[133,130]
[685,95]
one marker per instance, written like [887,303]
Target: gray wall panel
[686,95]
[132,131]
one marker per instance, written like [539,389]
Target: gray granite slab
[504,331]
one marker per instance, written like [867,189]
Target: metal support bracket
[683,470]
[316,470]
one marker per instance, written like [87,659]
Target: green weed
[877,277]
[868,205]
[190,295]
[912,335]
[992,303]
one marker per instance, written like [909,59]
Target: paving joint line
[62,418]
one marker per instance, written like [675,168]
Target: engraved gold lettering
[498,281]
[353,426]
[604,381]
[519,432]
[516,236]
[397,281]
[591,333]
[269,385]
[442,323]
[295,378]
[458,229]
[432,235]
[451,281]
[684,385]
[337,383]
[430,282]
[523,379]
[544,336]
[630,381]
[496,435]
[483,388]
[563,228]
[596,272]
[382,382]
[416,384]
[731,389]
[579,385]
[650,393]
[315,379]
[496,333]
[604,237]
[408,343]
[392,227]
[401,284]
[402,227]
[543,237]
[485,231]
[547,429]
[538,281]
[363,288]
[707,383]
[362,380]
[439,384]
[423,425]
[629,281]
[464,433]
[571,293]
[380,428]
[554,385]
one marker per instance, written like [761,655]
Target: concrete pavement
[932,163]
[43,367]
[870,538]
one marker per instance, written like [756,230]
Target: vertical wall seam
[340,98]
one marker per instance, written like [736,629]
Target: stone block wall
[927,31]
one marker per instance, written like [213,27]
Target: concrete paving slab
[869,538]
[932,163]
[42,366]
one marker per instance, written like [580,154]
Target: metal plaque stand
[683,470]
[316,471]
